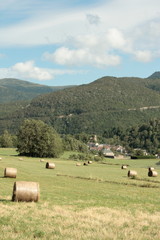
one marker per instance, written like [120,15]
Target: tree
[72,144]
[6,140]
[37,139]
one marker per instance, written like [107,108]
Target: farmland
[97,201]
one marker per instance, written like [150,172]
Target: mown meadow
[97,202]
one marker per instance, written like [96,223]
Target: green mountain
[155,85]
[16,90]
[93,108]
[155,75]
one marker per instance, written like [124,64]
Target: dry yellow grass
[43,221]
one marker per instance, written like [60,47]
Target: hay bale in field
[10,172]
[25,192]
[150,168]
[50,165]
[78,164]
[89,162]
[152,174]
[42,160]
[124,167]
[85,164]
[132,173]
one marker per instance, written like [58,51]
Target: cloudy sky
[65,42]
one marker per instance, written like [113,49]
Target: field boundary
[114,182]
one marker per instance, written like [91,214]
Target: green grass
[97,201]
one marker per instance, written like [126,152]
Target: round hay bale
[25,192]
[78,164]
[132,173]
[124,167]
[89,162]
[10,172]
[42,160]
[50,165]
[152,174]
[150,168]
[85,164]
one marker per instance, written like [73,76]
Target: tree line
[144,136]
[38,139]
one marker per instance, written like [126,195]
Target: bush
[98,158]
[6,140]
[72,144]
[82,157]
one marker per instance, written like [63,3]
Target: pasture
[94,202]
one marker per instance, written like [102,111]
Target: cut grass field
[97,202]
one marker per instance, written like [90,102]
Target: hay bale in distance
[42,160]
[10,172]
[152,174]
[25,192]
[85,164]
[123,167]
[89,162]
[78,164]
[132,173]
[150,168]
[50,165]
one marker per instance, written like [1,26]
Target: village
[116,151]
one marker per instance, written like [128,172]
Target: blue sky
[66,42]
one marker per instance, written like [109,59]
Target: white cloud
[28,71]
[87,35]
[91,49]
[115,39]
[147,35]
[143,56]
[57,24]
[65,56]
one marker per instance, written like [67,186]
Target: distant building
[106,149]
[108,153]
[144,152]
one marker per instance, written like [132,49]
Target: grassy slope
[95,202]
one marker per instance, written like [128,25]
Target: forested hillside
[144,136]
[93,108]
[155,75]
[18,90]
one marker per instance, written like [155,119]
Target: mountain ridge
[12,89]
[155,75]
[105,103]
